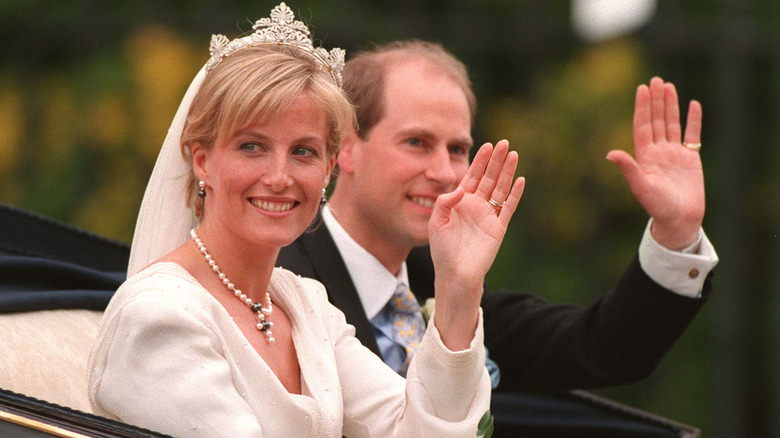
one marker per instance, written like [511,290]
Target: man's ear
[349,147]
[199,155]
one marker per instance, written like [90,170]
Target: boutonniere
[427,309]
[485,426]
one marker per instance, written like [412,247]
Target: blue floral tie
[408,323]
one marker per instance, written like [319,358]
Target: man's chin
[413,238]
[414,231]
[420,239]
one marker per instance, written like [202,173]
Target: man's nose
[440,167]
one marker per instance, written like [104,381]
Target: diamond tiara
[283,29]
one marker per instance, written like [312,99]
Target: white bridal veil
[164,220]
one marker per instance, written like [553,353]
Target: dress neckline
[281,298]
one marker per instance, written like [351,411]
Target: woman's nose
[277,176]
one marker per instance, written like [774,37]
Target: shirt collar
[374,283]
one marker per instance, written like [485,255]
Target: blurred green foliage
[88,89]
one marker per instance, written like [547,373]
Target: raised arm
[466,230]
[666,174]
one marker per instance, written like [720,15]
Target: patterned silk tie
[408,323]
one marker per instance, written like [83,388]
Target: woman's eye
[304,151]
[250,147]
[414,141]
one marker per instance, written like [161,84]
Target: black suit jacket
[619,338]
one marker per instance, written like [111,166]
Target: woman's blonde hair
[253,85]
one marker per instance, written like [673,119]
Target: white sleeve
[163,369]
[682,272]
[445,393]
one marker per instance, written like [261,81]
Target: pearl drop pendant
[263,324]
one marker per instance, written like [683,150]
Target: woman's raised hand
[466,230]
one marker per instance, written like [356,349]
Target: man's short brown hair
[364,77]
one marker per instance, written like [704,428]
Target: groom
[415,111]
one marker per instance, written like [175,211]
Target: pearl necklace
[263,324]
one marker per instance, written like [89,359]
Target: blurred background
[88,89]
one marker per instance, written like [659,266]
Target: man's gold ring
[693,146]
[495,204]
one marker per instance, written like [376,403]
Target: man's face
[418,151]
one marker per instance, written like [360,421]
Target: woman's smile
[273,206]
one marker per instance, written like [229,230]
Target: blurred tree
[577,112]
[12,121]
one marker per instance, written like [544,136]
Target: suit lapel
[315,254]
[419,267]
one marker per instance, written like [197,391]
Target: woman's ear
[199,155]
[331,165]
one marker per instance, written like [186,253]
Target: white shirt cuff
[682,272]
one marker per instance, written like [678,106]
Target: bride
[206,338]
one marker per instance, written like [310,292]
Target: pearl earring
[323,200]
[201,189]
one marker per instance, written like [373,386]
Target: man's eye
[458,150]
[414,142]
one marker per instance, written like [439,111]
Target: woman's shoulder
[162,281]
[287,281]
[159,275]
[163,295]
[307,296]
